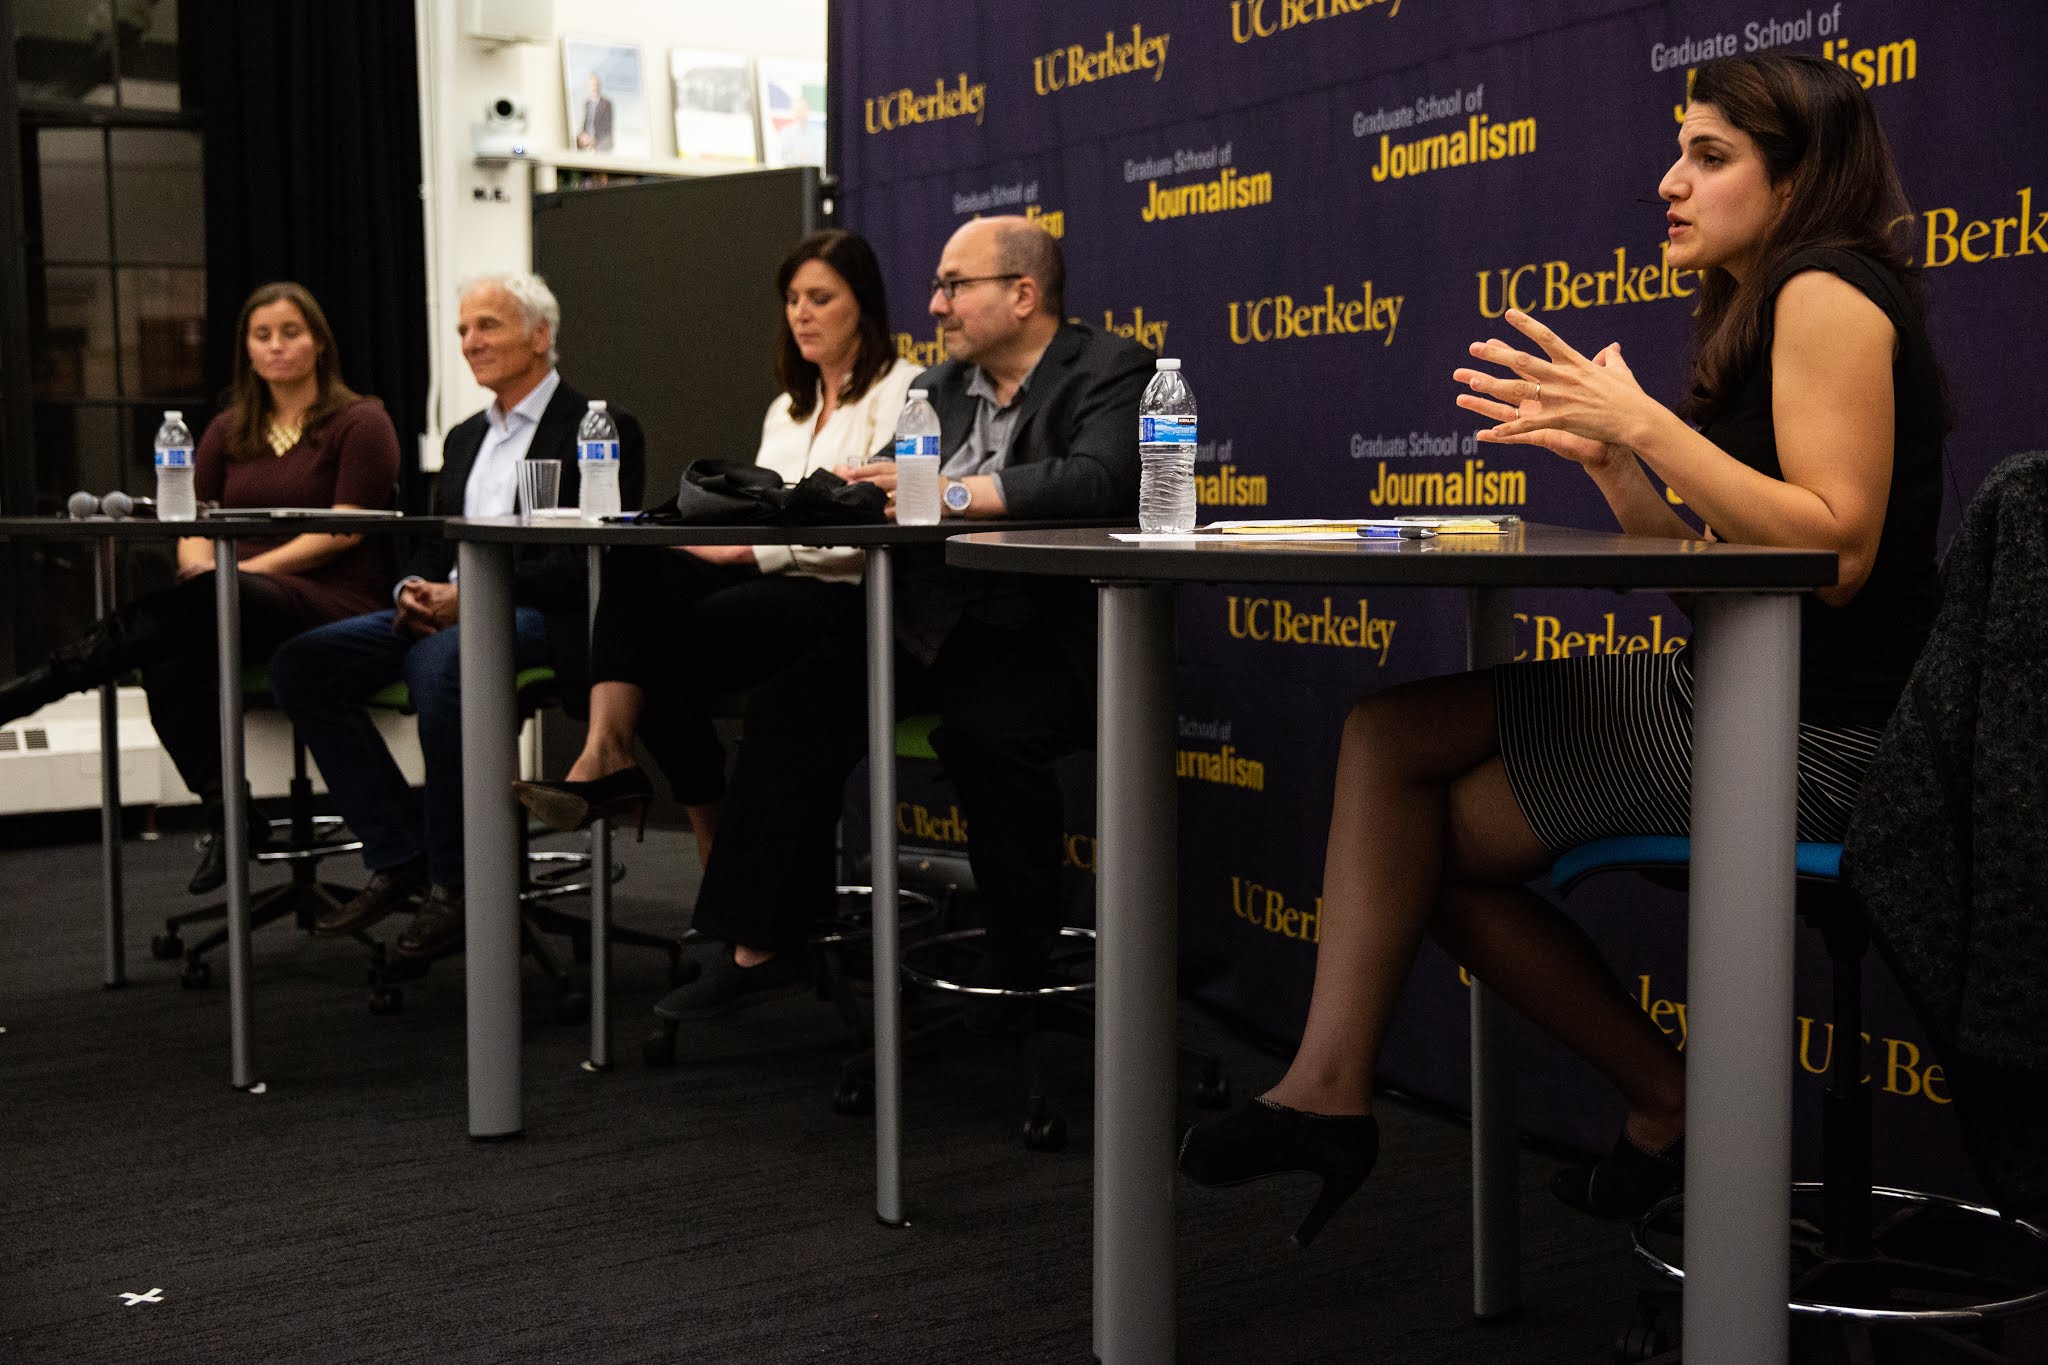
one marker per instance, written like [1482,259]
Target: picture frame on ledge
[604,99]
[714,107]
[792,104]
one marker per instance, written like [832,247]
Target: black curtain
[311,112]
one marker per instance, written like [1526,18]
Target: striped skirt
[1602,746]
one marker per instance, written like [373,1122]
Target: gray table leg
[1136,923]
[489,838]
[600,1058]
[884,905]
[1496,1182]
[1738,1160]
[227,599]
[115,969]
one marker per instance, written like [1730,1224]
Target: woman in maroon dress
[292,435]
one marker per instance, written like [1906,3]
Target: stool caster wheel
[660,1047]
[387,1000]
[572,1008]
[854,1097]
[1043,1131]
[167,946]
[1644,1341]
[196,976]
[1212,1091]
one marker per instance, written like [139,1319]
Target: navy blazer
[1074,449]
[543,575]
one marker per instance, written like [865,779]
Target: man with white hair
[324,677]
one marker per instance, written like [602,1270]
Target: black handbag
[732,493]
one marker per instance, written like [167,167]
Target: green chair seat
[914,737]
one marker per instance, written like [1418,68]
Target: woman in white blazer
[700,621]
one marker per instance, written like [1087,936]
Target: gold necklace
[283,438]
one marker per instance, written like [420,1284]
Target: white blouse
[794,448]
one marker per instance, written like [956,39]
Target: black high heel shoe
[1624,1183]
[1262,1138]
[570,806]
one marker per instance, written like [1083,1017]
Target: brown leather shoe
[436,930]
[388,890]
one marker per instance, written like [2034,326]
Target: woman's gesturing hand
[1575,407]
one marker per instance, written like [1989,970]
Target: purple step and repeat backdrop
[1316,205]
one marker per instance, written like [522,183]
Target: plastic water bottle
[174,497]
[917,462]
[1166,451]
[597,464]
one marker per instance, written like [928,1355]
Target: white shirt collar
[528,408]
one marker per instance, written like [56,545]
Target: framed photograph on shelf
[714,94]
[605,98]
[792,111]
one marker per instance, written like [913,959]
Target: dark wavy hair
[1819,139]
[249,395]
[850,255]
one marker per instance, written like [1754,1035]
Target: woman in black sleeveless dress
[1815,419]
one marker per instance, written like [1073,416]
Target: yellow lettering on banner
[1479,141]
[905,107]
[1254,19]
[1552,641]
[1559,286]
[1262,907]
[1287,624]
[923,354]
[1281,318]
[1065,68]
[1947,239]
[1885,64]
[1228,192]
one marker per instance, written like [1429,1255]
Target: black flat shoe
[1624,1183]
[719,984]
[570,806]
[1262,1138]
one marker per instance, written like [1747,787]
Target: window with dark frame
[114,274]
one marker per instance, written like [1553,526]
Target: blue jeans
[322,680]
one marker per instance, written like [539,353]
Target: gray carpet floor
[719,1211]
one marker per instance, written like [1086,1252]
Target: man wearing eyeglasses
[1038,419]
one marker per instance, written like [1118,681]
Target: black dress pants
[1012,700]
[178,644]
[687,632]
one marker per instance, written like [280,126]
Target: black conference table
[1741,923]
[223,531]
[484,552]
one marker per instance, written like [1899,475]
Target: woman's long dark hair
[850,255]
[249,398]
[1820,141]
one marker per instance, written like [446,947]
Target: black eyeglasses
[952,287]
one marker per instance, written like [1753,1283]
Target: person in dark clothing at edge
[1815,420]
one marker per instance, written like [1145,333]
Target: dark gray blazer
[1074,450]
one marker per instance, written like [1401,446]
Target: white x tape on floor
[153,1296]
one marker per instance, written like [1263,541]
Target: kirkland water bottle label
[916,445]
[174,457]
[1166,430]
[593,452]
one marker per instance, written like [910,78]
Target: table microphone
[81,505]
[117,505]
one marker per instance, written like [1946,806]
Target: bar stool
[546,876]
[307,840]
[1947,1272]
[840,944]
